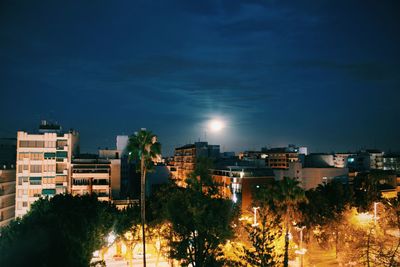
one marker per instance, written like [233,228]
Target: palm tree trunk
[286,257]
[142,205]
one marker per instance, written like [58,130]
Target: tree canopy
[62,231]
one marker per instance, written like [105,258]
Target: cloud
[360,71]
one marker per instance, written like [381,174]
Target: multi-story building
[375,159]
[370,159]
[391,161]
[7,196]
[96,176]
[239,182]
[186,157]
[43,164]
[279,158]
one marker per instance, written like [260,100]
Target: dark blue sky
[325,74]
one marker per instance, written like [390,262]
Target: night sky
[324,74]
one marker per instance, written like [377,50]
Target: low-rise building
[311,177]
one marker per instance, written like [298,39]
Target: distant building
[340,160]
[122,142]
[227,155]
[319,160]
[239,182]
[311,177]
[391,161]
[375,159]
[250,155]
[185,159]
[366,160]
[7,196]
[280,158]
[43,164]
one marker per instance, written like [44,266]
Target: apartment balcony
[62,172]
[86,182]
[7,206]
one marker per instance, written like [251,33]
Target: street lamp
[255,217]
[375,212]
[302,250]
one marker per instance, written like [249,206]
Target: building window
[61,144]
[61,154]
[31,143]
[50,144]
[23,155]
[49,155]
[36,168]
[35,180]
[36,156]
[24,204]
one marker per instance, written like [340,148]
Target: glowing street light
[255,217]
[375,211]
[363,219]
[111,238]
[302,250]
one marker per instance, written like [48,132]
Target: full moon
[216,125]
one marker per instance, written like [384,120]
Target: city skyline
[322,75]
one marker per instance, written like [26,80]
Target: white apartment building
[43,164]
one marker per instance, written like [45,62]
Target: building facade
[185,159]
[280,158]
[239,182]
[94,176]
[391,162]
[7,196]
[370,159]
[311,177]
[43,164]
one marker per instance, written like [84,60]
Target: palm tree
[288,194]
[143,147]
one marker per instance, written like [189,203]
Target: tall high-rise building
[43,164]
